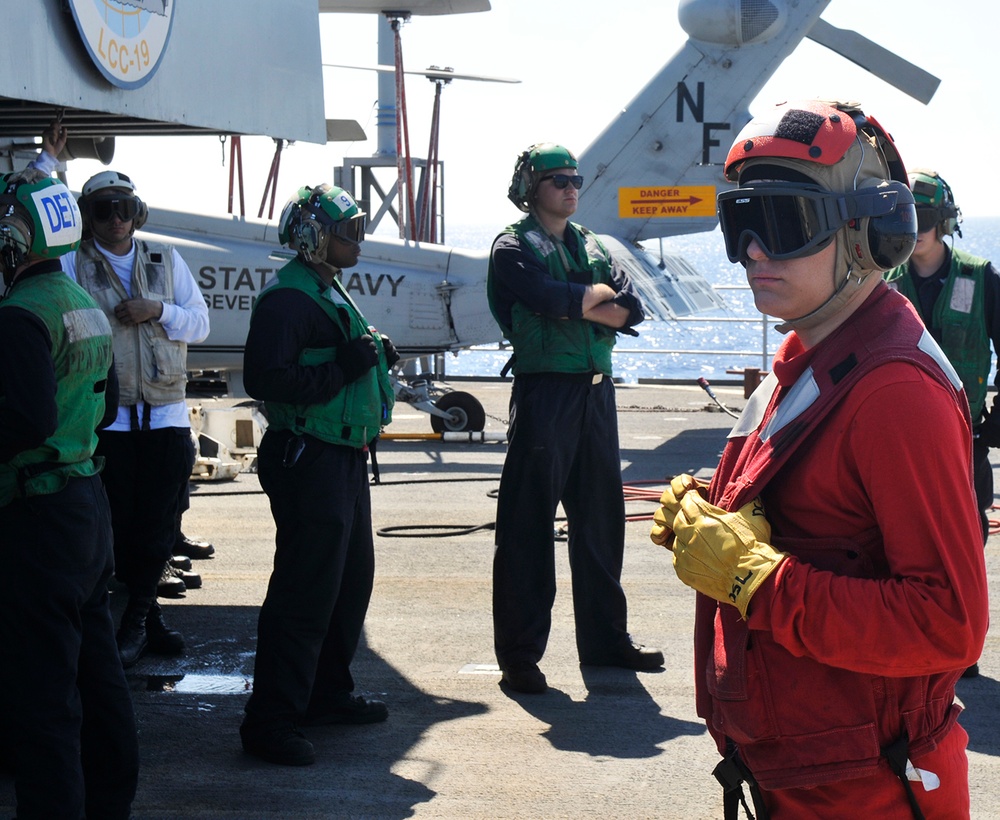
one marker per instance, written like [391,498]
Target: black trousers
[983,478]
[63,692]
[144,473]
[324,566]
[562,446]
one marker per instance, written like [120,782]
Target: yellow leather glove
[670,503]
[725,555]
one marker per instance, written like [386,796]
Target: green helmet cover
[928,188]
[531,164]
[931,192]
[38,214]
[547,156]
[313,214]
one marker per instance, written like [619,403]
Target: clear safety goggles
[125,208]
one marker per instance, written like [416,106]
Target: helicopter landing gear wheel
[467,414]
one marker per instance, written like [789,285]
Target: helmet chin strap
[845,292]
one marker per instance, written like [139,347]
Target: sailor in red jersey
[837,551]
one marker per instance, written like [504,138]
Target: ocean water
[706,346]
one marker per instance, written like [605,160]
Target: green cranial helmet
[935,202]
[38,216]
[531,165]
[313,215]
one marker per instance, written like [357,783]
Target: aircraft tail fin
[656,169]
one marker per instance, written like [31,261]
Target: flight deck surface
[600,743]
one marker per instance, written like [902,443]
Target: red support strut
[236,159]
[403,164]
[272,179]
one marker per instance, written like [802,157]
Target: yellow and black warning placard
[664,201]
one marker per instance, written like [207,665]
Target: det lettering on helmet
[58,214]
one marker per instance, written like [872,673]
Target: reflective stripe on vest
[81,356]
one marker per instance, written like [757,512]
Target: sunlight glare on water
[188,684]
[706,252]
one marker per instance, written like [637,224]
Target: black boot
[162,639]
[131,637]
[198,550]
[170,585]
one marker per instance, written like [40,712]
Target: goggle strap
[871,203]
[837,209]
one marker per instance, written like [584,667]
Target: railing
[762,355]
[765,356]
[765,320]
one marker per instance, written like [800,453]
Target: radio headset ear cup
[885,242]
[524,180]
[950,225]
[520,184]
[19,228]
[13,254]
[310,236]
[952,212]
[84,205]
[141,214]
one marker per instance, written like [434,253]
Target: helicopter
[653,172]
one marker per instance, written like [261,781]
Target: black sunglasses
[562,180]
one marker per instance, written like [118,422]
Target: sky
[579,63]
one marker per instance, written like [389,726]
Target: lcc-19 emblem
[125,38]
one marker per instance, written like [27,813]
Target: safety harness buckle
[732,773]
